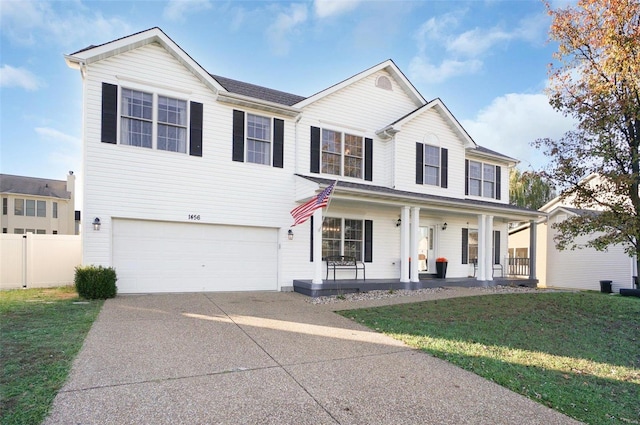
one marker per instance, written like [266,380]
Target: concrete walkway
[268,358]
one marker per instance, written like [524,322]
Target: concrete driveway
[267,358]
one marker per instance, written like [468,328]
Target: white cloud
[282,29]
[64,23]
[464,52]
[52,135]
[423,71]
[18,77]
[511,122]
[327,8]
[176,10]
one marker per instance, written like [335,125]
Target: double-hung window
[136,124]
[432,165]
[342,237]
[41,210]
[483,180]
[18,206]
[258,139]
[31,208]
[150,120]
[54,210]
[342,154]
[172,124]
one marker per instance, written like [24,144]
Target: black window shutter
[109,113]
[195,129]
[419,163]
[496,247]
[315,150]
[466,178]
[368,159]
[465,246]
[311,239]
[278,143]
[368,241]
[444,168]
[238,135]
[498,185]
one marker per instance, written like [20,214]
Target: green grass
[41,331]
[578,353]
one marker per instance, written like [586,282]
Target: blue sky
[487,60]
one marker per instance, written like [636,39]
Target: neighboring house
[35,205]
[193,176]
[581,268]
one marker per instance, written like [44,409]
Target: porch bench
[494,267]
[344,262]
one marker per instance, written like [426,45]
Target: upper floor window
[150,120]
[342,154]
[137,121]
[258,139]
[54,210]
[483,180]
[432,165]
[5,205]
[41,210]
[18,206]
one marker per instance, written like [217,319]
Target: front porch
[343,286]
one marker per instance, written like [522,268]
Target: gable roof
[35,186]
[258,92]
[387,65]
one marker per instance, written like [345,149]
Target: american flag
[302,212]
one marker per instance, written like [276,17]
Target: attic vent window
[383,83]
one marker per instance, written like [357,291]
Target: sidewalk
[268,358]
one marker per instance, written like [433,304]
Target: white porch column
[488,248]
[533,233]
[317,246]
[404,244]
[481,244]
[415,236]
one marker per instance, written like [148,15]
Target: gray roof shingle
[33,186]
[258,92]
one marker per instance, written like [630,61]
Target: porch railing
[518,266]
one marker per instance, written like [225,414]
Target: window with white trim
[143,115]
[41,208]
[258,139]
[342,154]
[30,210]
[432,165]
[18,206]
[482,179]
[342,237]
[5,205]
[54,211]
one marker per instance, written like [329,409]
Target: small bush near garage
[96,283]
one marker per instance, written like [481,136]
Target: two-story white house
[37,205]
[192,176]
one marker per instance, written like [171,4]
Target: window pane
[352,156]
[331,234]
[487,189]
[137,104]
[41,232]
[331,163]
[475,170]
[18,207]
[432,175]
[331,141]
[18,231]
[473,244]
[353,167]
[172,138]
[258,128]
[258,152]
[172,111]
[55,210]
[474,187]
[5,203]
[135,133]
[42,209]
[31,207]
[353,238]
[432,156]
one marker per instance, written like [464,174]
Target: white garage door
[155,256]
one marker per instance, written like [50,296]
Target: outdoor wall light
[96,223]
[399,222]
[290,234]
[444,226]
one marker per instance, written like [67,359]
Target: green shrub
[96,283]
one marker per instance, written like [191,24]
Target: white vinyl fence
[38,261]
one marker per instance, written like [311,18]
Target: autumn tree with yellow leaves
[596,79]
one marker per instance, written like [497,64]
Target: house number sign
[194,217]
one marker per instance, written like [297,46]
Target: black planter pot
[441,270]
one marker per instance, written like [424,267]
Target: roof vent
[383,82]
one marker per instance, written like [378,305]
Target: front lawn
[578,353]
[41,331]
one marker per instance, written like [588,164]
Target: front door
[426,250]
